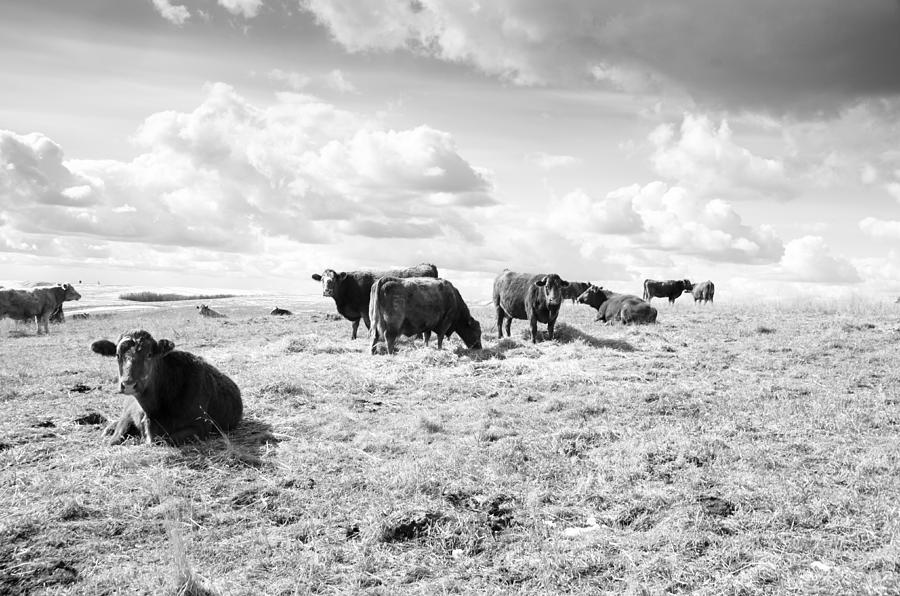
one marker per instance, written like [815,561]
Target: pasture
[729,449]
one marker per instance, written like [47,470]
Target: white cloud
[246,8]
[231,174]
[809,259]
[705,158]
[880,229]
[293,80]
[665,218]
[337,81]
[174,13]
[546,161]
[893,189]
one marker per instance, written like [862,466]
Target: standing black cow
[671,289]
[703,291]
[535,298]
[613,307]
[350,289]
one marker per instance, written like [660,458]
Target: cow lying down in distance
[625,308]
[174,396]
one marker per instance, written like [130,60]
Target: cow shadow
[244,445]
[566,334]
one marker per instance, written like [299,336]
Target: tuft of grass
[156,297]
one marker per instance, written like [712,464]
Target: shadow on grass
[565,334]
[244,445]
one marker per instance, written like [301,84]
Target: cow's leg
[440,337]
[390,337]
[427,336]
[131,422]
[534,331]
[355,323]
[550,325]
[508,326]
[366,319]
[500,316]
[375,339]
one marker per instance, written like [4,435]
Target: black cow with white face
[351,289]
[535,298]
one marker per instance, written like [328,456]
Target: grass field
[725,450]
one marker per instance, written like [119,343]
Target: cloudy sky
[250,143]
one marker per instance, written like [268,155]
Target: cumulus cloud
[174,13]
[231,174]
[337,81]
[809,259]
[818,54]
[246,8]
[657,216]
[704,156]
[294,80]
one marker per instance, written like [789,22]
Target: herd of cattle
[415,301]
[176,396]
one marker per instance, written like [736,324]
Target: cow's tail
[376,313]
[646,289]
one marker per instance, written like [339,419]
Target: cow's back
[19,304]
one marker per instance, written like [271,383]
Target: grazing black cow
[575,289]
[535,298]
[671,289]
[351,289]
[280,312]
[104,347]
[408,306]
[703,291]
[38,304]
[625,308]
[175,396]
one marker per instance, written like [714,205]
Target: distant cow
[704,291]
[38,304]
[625,308]
[671,289]
[208,312]
[351,289]
[535,298]
[408,306]
[575,289]
[104,347]
[175,396]
[280,312]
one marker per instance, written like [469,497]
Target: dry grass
[726,450]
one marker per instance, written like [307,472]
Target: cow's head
[688,286]
[138,354]
[470,332]
[329,278]
[70,293]
[594,296]
[552,285]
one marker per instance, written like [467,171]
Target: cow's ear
[163,347]
[317,277]
[541,282]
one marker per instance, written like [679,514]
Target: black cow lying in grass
[612,307]
[176,396]
[282,312]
